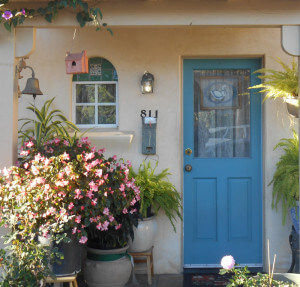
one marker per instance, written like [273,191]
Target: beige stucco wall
[160,50]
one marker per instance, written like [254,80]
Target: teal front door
[222,162]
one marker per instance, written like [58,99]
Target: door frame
[214,57]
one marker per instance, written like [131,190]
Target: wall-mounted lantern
[147,83]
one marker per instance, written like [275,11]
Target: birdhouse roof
[74,56]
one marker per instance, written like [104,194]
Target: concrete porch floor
[161,280]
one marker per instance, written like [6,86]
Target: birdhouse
[77,63]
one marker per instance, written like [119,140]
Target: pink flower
[83,240]
[77,194]
[227,262]
[24,152]
[105,226]
[125,211]
[74,230]
[40,180]
[71,205]
[29,144]
[34,170]
[57,141]
[98,172]
[122,187]
[101,151]
[133,202]
[26,165]
[65,156]
[78,219]
[93,186]
[114,157]
[66,143]
[90,194]
[94,201]
[106,211]
[6,172]
[118,226]
[23,11]
[90,155]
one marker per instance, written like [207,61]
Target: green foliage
[157,191]
[47,125]
[286,177]
[242,277]
[26,263]
[279,84]
[84,13]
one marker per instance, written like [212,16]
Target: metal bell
[32,87]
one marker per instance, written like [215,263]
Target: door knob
[188,167]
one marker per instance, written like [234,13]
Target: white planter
[144,235]
[99,270]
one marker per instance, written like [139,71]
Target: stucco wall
[160,51]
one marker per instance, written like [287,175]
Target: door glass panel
[222,113]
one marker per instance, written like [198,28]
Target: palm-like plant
[46,125]
[286,178]
[279,84]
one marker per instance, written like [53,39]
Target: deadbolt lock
[188,151]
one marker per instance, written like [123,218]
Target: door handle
[188,167]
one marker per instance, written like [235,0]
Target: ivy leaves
[84,15]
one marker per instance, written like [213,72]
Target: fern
[286,177]
[158,192]
[279,84]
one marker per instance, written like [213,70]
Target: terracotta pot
[144,235]
[107,268]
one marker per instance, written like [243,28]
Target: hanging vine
[84,13]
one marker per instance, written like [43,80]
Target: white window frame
[96,104]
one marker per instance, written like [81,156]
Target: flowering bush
[73,189]
[241,276]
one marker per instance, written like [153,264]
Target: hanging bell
[32,87]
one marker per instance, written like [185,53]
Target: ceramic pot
[71,264]
[292,109]
[294,213]
[107,268]
[144,235]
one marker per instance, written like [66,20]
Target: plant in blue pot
[286,190]
[286,179]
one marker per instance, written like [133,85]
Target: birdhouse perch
[77,63]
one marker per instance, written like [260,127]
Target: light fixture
[147,83]
[32,86]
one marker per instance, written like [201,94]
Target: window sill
[110,137]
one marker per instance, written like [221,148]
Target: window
[95,95]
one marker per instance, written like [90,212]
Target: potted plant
[286,177]
[96,195]
[281,84]
[108,263]
[156,193]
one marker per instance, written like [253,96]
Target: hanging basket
[77,63]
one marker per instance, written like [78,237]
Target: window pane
[107,93]
[106,115]
[85,93]
[85,115]
[222,113]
